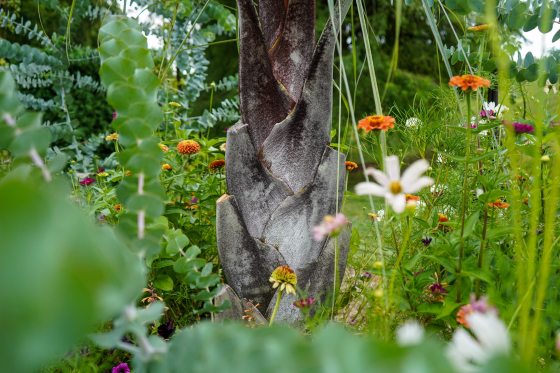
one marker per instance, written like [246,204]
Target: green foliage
[67,275]
[232,347]
[132,89]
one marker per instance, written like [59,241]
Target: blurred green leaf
[164,282]
[61,273]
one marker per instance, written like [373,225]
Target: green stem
[400,253]
[465,199]
[276,306]
[168,41]
[550,208]
[335,277]
[482,247]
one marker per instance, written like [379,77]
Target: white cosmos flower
[392,186]
[410,333]
[491,338]
[497,109]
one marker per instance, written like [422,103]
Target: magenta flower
[87,181]
[487,114]
[331,225]
[121,368]
[522,127]
[305,302]
[115,115]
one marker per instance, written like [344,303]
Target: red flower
[87,181]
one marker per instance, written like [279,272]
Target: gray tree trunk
[281,173]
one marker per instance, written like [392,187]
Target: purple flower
[194,200]
[437,288]
[121,368]
[436,291]
[522,127]
[115,115]
[166,330]
[331,225]
[481,305]
[87,181]
[427,241]
[367,275]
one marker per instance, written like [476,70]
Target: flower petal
[490,332]
[369,188]
[414,171]
[464,350]
[397,201]
[393,168]
[414,187]
[379,176]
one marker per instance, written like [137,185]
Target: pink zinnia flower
[121,368]
[87,181]
[305,302]
[331,225]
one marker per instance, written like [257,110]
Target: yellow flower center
[395,187]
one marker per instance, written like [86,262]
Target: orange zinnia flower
[218,163]
[376,122]
[411,197]
[350,166]
[188,147]
[499,204]
[472,82]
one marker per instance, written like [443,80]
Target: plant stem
[482,247]
[276,306]
[465,198]
[400,253]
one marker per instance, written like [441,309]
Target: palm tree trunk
[282,176]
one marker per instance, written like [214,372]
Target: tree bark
[282,176]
